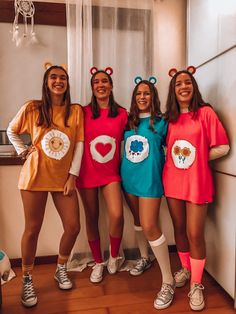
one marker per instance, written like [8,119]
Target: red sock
[197,268]
[185,259]
[115,246]
[95,247]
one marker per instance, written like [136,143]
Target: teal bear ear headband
[152,79]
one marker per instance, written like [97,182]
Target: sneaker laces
[62,274]
[28,288]
[196,291]
[97,268]
[141,263]
[165,289]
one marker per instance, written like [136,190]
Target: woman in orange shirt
[52,165]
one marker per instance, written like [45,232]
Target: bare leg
[34,208]
[113,198]
[91,206]
[68,210]
[196,217]
[177,210]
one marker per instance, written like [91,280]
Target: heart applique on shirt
[103,149]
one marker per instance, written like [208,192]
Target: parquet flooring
[116,294]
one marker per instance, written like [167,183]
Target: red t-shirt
[187,174]
[101,158]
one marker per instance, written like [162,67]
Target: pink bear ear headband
[152,79]
[191,69]
[108,70]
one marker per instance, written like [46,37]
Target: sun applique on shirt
[55,144]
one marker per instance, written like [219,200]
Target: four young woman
[190,130]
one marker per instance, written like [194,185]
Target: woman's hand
[25,154]
[70,185]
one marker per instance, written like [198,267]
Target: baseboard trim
[132,253]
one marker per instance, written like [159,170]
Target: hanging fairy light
[27,10]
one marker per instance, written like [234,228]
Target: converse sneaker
[61,277]
[165,296]
[96,275]
[196,301]
[28,296]
[181,277]
[114,264]
[142,265]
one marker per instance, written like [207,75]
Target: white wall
[211,30]
[22,68]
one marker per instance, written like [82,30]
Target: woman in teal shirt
[141,171]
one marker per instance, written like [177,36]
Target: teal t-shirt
[143,159]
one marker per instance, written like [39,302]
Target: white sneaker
[196,301]
[142,265]
[181,277]
[165,296]
[61,277]
[96,274]
[114,264]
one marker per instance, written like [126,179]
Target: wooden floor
[116,294]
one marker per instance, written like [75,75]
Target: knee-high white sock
[141,241]
[160,250]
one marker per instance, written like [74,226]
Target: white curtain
[106,33]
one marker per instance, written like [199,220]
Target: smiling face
[184,90]
[101,86]
[57,81]
[143,98]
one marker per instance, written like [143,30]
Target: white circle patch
[55,144]
[183,154]
[136,148]
[103,148]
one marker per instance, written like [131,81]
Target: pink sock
[96,250]
[115,246]
[197,268]
[185,259]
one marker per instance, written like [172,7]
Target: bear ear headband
[48,65]
[191,69]
[152,79]
[108,70]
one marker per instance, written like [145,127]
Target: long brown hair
[155,107]
[113,105]
[172,106]
[45,108]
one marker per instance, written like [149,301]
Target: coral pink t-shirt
[101,158]
[187,174]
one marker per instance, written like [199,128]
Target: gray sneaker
[142,265]
[28,296]
[181,277]
[196,301]
[165,296]
[61,277]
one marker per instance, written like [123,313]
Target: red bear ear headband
[191,69]
[108,70]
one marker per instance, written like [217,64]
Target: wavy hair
[155,107]
[172,106]
[45,108]
[113,105]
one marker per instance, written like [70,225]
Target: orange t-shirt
[47,167]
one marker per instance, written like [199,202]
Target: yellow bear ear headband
[191,69]
[48,65]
